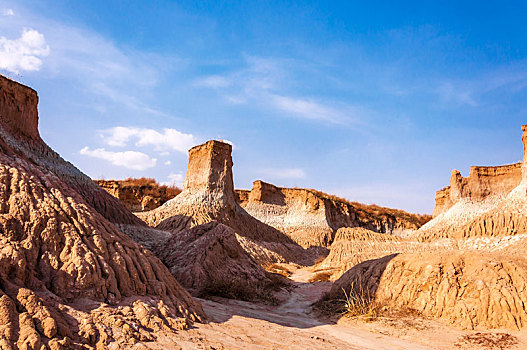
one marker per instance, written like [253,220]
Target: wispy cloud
[283,173]
[128,159]
[309,109]
[8,12]
[162,141]
[24,53]
[262,83]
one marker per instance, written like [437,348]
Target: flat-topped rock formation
[139,194]
[68,277]
[311,217]
[490,202]
[208,195]
[482,182]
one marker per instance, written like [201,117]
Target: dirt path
[243,325]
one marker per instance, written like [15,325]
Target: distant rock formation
[139,194]
[482,182]
[311,217]
[68,276]
[491,202]
[208,195]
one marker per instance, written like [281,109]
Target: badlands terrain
[134,265]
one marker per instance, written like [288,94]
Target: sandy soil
[292,325]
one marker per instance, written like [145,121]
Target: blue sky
[374,102]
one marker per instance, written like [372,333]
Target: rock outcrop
[21,138]
[68,277]
[311,217]
[482,182]
[208,195]
[355,245]
[470,290]
[139,194]
[208,259]
[491,202]
[469,267]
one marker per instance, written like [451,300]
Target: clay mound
[355,245]
[64,268]
[208,260]
[141,194]
[311,217]
[470,290]
[362,234]
[208,195]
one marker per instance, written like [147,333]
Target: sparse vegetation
[148,181]
[359,303]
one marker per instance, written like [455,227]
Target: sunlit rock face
[64,265]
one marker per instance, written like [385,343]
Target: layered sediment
[311,218]
[352,246]
[491,202]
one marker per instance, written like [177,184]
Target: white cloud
[128,159]
[24,53]
[168,162]
[283,173]
[167,140]
[8,12]
[176,179]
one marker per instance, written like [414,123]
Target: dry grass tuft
[321,277]
[360,304]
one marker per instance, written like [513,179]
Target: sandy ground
[291,325]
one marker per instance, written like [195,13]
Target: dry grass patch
[359,304]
